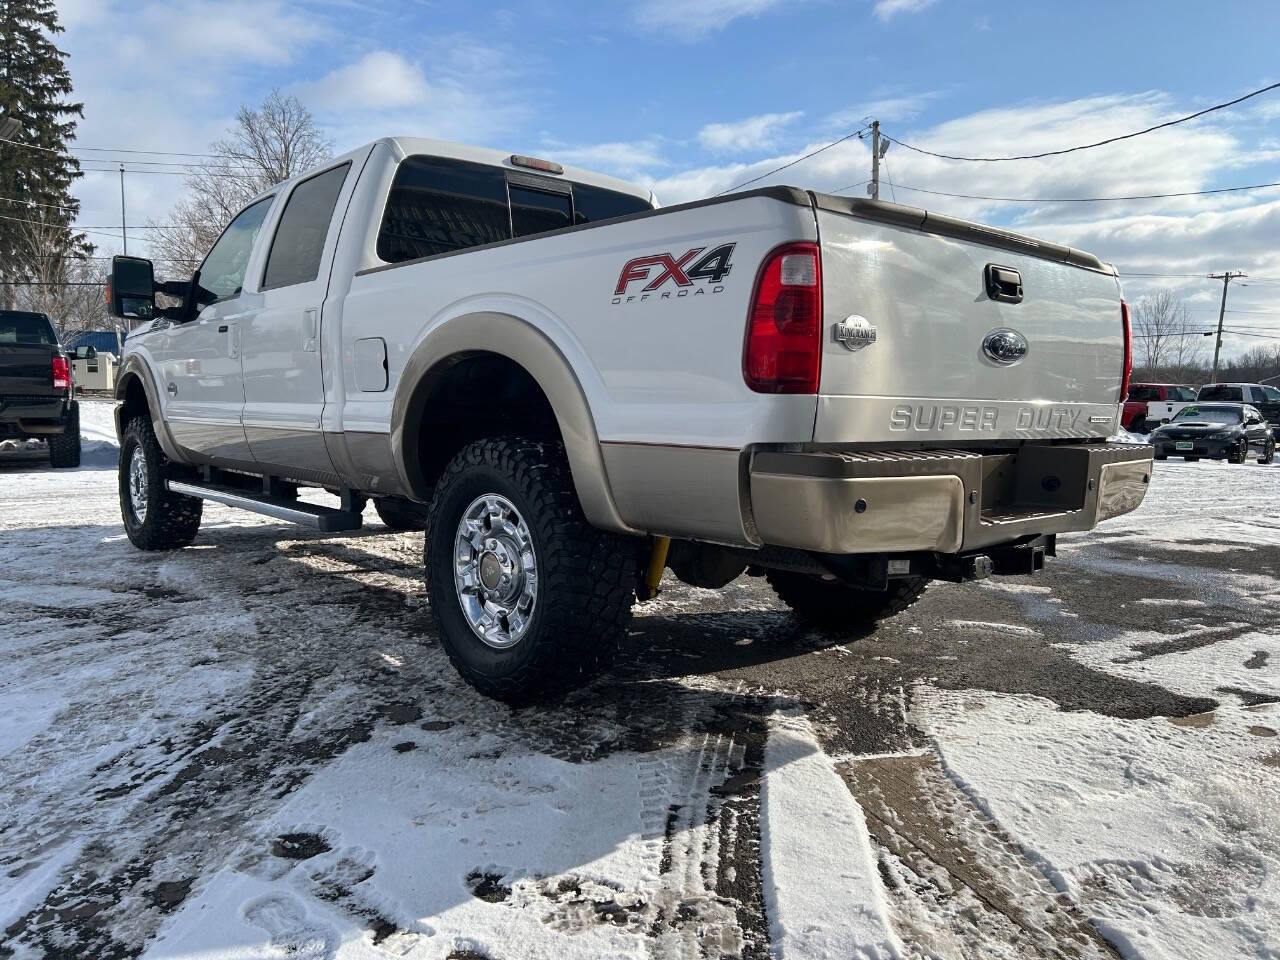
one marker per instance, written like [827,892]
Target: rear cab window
[438,205]
[1221,393]
[298,245]
[20,327]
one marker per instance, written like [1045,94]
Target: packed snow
[254,748]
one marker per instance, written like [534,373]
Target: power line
[162,153]
[1090,146]
[833,143]
[1142,196]
[892,194]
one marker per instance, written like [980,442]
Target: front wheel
[834,605]
[154,518]
[530,600]
[1240,454]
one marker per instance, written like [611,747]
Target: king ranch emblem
[664,276]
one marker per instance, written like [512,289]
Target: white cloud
[754,133]
[1193,235]
[620,159]
[378,80]
[458,89]
[691,19]
[887,9]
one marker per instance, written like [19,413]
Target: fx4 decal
[683,272]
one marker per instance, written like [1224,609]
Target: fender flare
[135,367]
[524,344]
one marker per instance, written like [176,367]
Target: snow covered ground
[255,748]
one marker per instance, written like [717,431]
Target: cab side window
[1143,394]
[439,206]
[298,244]
[222,273]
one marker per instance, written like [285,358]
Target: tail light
[61,373]
[1128,351]
[783,353]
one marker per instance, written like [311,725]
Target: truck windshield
[1203,414]
[32,328]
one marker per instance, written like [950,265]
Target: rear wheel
[154,518]
[529,598]
[834,605]
[400,513]
[64,448]
[1268,452]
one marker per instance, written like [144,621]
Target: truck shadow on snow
[334,651]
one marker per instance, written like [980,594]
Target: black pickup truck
[36,397]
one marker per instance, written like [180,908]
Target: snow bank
[821,889]
[1165,835]
[99,446]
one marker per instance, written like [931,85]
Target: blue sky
[691,98]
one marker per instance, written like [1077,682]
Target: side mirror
[132,290]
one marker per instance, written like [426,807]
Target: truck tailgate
[944,363]
[26,370]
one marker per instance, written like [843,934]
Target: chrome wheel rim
[138,484]
[495,571]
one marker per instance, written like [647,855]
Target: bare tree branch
[265,146]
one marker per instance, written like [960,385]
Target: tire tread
[587,576]
[831,604]
[172,520]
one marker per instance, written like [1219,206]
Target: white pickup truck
[571,390]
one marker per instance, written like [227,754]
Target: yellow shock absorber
[657,563]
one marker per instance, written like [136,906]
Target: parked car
[36,398]
[1150,404]
[1218,431]
[556,379]
[1266,399]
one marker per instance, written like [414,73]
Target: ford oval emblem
[1005,346]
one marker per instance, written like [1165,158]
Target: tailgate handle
[1004,284]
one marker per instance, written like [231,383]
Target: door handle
[233,345]
[1004,284]
[309,317]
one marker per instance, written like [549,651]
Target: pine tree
[36,172]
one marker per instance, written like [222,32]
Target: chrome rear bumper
[947,501]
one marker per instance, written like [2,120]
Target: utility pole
[124,235]
[880,146]
[1226,279]
[873,188]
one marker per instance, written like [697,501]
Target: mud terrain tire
[832,605]
[168,520]
[64,448]
[400,513]
[585,578]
